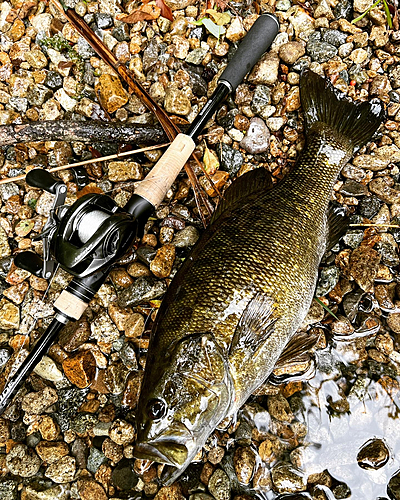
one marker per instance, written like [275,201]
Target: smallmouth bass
[240,296]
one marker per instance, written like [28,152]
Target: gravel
[71,429]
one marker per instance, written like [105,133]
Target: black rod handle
[254,44]
[14,383]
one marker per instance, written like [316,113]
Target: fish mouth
[166,452]
[172,447]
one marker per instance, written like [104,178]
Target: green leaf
[199,22]
[213,28]
[365,13]
[326,308]
[388,16]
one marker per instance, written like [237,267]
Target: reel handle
[42,179]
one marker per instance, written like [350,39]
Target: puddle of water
[334,440]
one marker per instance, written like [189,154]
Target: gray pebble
[220,485]
[257,138]
[186,237]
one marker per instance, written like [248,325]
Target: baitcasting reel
[86,237]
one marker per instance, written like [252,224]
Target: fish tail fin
[357,122]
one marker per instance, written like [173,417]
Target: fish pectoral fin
[251,183]
[255,325]
[338,224]
[296,352]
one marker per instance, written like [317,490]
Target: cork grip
[70,305]
[156,184]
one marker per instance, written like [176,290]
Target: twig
[374,225]
[87,162]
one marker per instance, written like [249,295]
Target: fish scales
[245,289]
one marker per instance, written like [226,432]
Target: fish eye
[156,409]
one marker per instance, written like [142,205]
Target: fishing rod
[87,238]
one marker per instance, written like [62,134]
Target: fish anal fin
[255,325]
[251,183]
[338,224]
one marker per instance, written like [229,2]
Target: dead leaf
[65,64]
[165,10]
[210,161]
[220,18]
[145,13]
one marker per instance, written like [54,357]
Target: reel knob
[42,179]
[30,262]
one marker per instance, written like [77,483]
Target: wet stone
[4,431]
[121,432]
[48,370]
[80,369]
[393,487]
[265,72]
[123,475]
[328,280]
[9,315]
[244,462]
[128,356]
[23,461]
[161,265]
[146,254]
[48,428]
[279,408]
[83,422]
[369,206]
[74,334]
[134,326]
[186,237]
[115,377]
[230,159]
[321,51]
[111,92]
[144,289]
[290,52]
[353,238]
[8,489]
[334,37]
[288,479]
[62,471]
[176,101]
[374,454]
[124,170]
[257,138]
[103,20]
[389,254]
[364,265]
[37,402]
[50,452]
[95,459]
[69,402]
[5,249]
[219,485]
[353,188]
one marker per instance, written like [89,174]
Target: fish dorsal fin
[249,184]
[255,325]
[321,102]
[338,224]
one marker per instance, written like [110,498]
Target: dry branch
[88,132]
